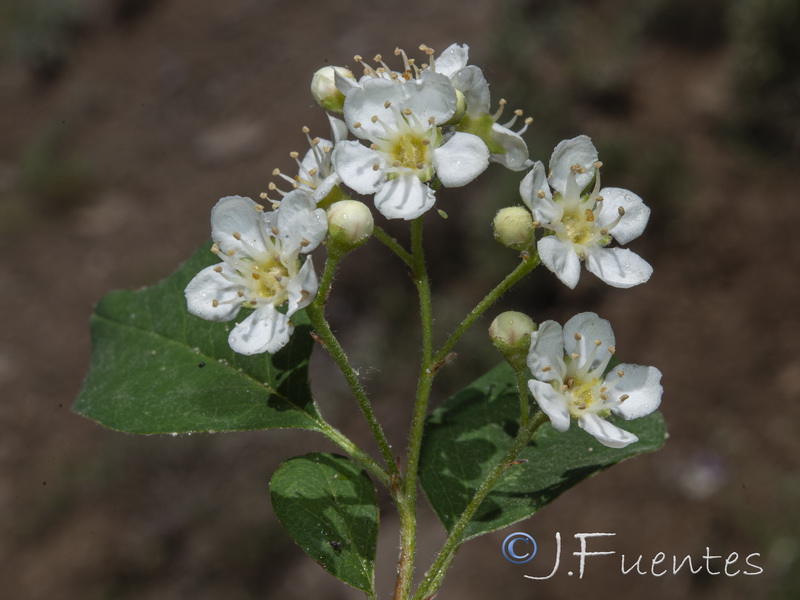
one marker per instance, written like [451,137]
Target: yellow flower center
[412,151]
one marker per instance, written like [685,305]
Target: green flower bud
[513,227]
[511,333]
[324,90]
[350,224]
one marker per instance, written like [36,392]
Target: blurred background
[123,121]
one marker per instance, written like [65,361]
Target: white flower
[401,118]
[315,173]
[261,269]
[568,367]
[582,224]
[506,146]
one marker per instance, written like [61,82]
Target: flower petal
[266,330]
[560,258]
[552,403]
[546,354]
[642,385]
[236,214]
[453,58]
[578,151]
[544,209]
[606,433]
[617,266]
[301,225]
[404,197]
[591,328]
[355,162]
[515,156]
[460,159]
[302,288]
[471,82]
[633,222]
[209,285]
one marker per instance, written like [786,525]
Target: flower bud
[324,90]
[513,227]
[511,333]
[350,224]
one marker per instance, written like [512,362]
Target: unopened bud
[324,90]
[513,227]
[350,224]
[511,333]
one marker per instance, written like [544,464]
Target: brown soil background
[125,121]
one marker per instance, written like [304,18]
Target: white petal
[633,222]
[344,84]
[544,209]
[460,159]
[591,328]
[560,258]
[310,160]
[546,354]
[642,385]
[367,100]
[266,330]
[454,57]
[209,285]
[236,214]
[430,96]
[618,266]
[577,151]
[301,225]
[338,129]
[355,165]
[471,82]
[606,433]
[302,288]
[515,156]
[553,404]
[404,197]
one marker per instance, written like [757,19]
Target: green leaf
[157,369]
[328,505]
[471,432]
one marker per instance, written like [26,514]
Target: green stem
[316,314]
[393,245]
[407,503]
[529,262]
[355,452]
[435,575]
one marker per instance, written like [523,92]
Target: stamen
[589,215]
[547,368]
[237,235]
[540,194]
[218,269]
[215,303]
[578,336]
[623,397]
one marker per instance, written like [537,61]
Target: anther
[578,336]
[540,194]
[547,368]
[623,397]
[231,252]
[275,231]
[407,112]
[376,167]
[387,104]
[276,172]
[377,58]
[598,343]
[357,125]
[215,303]
[598,164]
[420,165]
[426,142]
[304,242]
[237,235]
[259,207]
[218,269]
[374,118]
[215,249]
[240,293]
[305,129]
[620,373]
[575,356]
[272,187]
[621,211]
[293,154]
[589,215]
[612,349]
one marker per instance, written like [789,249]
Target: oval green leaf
[158,369]
[328,505]
[467,436]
